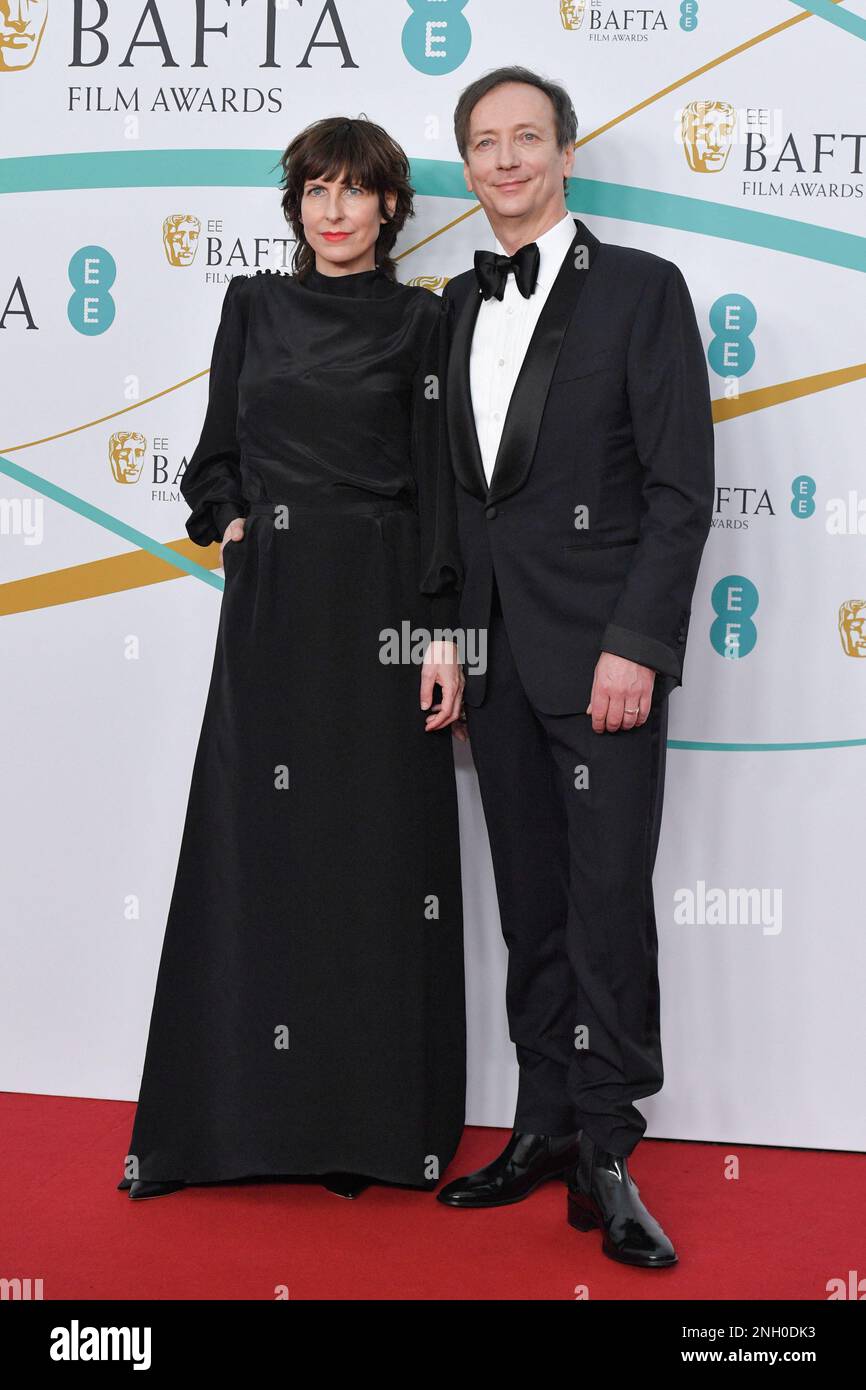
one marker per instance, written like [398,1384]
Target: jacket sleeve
[211,482]
[671,411]
[441,574]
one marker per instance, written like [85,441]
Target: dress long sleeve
[211,483]
[441,567]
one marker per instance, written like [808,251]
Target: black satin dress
[309,1009]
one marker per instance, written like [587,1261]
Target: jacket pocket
[586,364]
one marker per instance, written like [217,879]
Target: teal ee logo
[732,318]
[803,496]
[689,15]
[92,272]
[437,37]
[844,516]
[734,600]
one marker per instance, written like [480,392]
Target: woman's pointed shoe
[140,1189]
[346,1184]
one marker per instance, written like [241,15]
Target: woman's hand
[233,532]
[442,666]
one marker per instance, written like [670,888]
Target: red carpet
[792,1221]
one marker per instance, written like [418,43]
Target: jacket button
[490,513]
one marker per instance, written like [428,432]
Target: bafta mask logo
[126,452]
[180,234]
[571,13]
[21,25]
[429,282]
[707,131]
[852,626]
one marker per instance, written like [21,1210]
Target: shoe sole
[150,1196]
[505,1201]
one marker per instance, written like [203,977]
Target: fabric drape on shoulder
[441,566]
[211,483]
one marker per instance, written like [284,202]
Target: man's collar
[552,245]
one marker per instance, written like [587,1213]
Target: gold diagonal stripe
[112,415]
[765,396]
[137,569]
[698,72]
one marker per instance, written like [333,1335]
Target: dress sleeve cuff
[224,512]
[445,610]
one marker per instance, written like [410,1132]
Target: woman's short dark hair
[360,152]
[563,110]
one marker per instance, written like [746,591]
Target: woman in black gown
[309,1009]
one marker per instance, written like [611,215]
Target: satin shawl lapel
[526,408]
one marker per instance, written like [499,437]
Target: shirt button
[496,415]
[490,513]
[502,361]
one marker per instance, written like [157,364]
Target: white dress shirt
[503,329]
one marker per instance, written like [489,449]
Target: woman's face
[341,223]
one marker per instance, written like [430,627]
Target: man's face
[512,163]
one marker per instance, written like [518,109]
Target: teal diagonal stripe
[105,519]
[834,14]
[689,744]
[434,179]
[141,169]
[653,208]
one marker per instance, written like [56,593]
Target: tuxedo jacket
[602,493]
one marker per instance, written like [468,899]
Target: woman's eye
[352,188]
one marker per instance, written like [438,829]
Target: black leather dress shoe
[526,1161]
[139,1188]
[345,1184]
[602,1193]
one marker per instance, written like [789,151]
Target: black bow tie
[491,270]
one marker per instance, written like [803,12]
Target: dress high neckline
[361,284]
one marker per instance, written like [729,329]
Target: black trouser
[573,855]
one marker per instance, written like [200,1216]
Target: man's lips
[512,183]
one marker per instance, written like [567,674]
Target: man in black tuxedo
[581,435]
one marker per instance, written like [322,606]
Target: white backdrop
[107,649]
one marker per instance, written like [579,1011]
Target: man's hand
[442,666]
[619,686]
[233,532]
